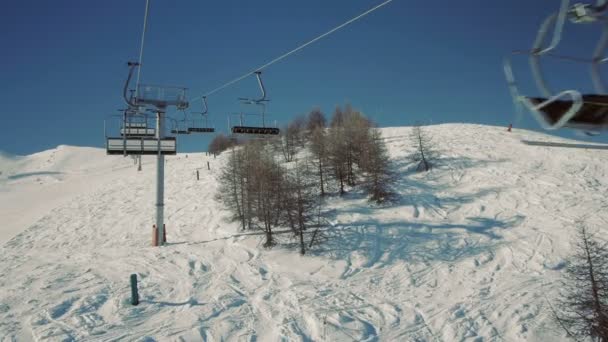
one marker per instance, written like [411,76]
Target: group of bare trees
[349,152]
[220,143]
[263,194]
[280,182]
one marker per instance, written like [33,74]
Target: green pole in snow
[134,294]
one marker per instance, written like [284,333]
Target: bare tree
[320,151]
[261,187]
[425,154]
[316,120]
[376,163]
[232,189]
[317,235]
[292,137]
[251,154]
[298,126]
[357,128]
[220,143]
[338,155]
[348,133]
[301,202]
[583,307]
[337,118]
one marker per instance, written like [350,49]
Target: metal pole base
[155,235]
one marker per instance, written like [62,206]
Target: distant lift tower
[159,97]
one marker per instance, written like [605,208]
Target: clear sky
[63,63]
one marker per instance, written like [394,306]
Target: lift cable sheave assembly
[141,138]
[568,108]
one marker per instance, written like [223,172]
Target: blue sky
[63,63]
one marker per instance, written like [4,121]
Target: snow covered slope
[470,253]
[33,185]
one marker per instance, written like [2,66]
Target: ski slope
[471,252]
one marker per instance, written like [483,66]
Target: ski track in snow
[467,254]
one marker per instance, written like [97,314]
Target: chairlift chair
[263,130]
[135,124]
[141,146]
[201,129]
[205,128]
[135,137]
[241,128]
[568,108]
[180,131]
[176,126]
[255,130]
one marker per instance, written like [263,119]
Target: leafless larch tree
[425,155]
[582,309]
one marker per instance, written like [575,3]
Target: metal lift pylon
[159,97]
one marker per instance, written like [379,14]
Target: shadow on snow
[377,242]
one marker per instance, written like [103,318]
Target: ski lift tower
[160,97]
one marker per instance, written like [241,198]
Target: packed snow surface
[472,251]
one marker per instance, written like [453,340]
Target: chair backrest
[255,130]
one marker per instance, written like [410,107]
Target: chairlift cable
[287,54]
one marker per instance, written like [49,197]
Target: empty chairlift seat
[137,131]
[255,130]
[141,146]
[136,125]
[201,129]
[593,113]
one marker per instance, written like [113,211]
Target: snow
[31,186]
[471,252]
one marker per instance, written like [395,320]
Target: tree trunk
[426,165]
[302,244]
[350,178]
[269,241]
[238,201]
[268,218]
[321,176]
[341,176]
